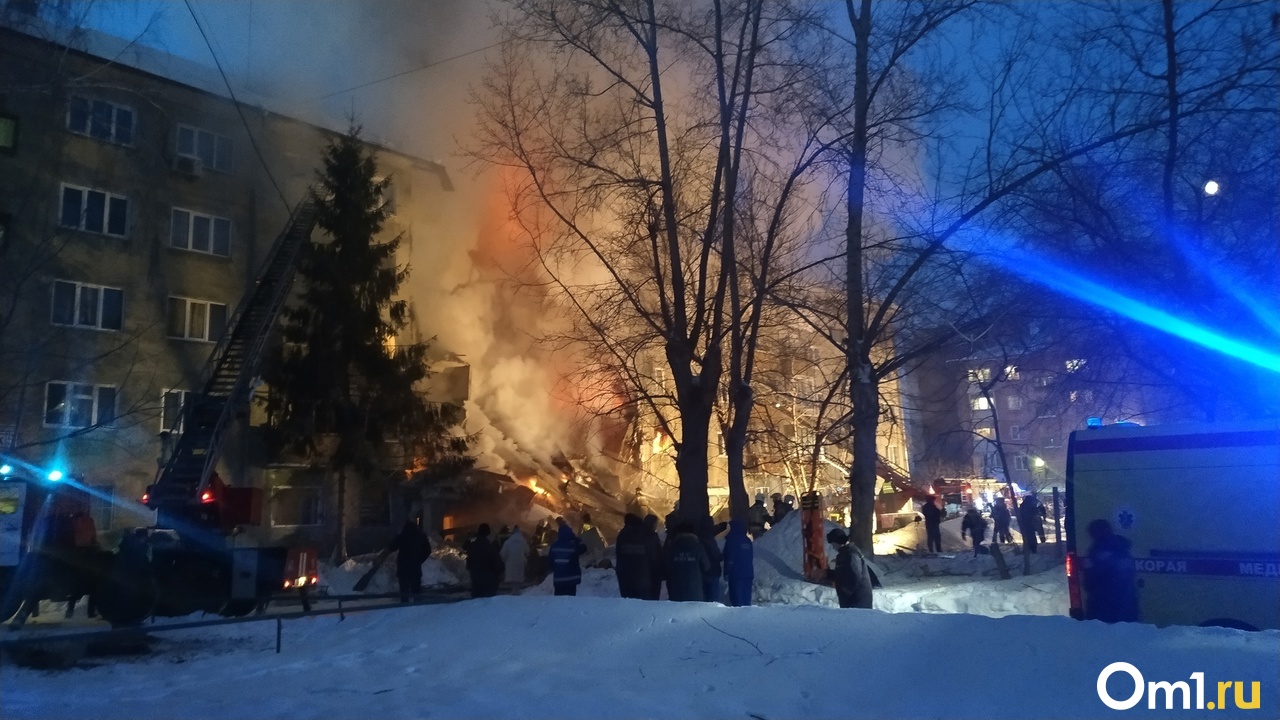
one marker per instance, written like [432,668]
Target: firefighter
[566,571]
[412,548]
[711,576]
[780,509]
[686,564]
[757,517]
[1029,522]
[637,556]
[850,575]
[976,526]
[1000,519]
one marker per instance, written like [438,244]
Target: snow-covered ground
[584,657]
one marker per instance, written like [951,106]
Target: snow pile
[596,582]
[545,657]
[341,579]
[1044,594]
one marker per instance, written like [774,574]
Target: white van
[1201,507]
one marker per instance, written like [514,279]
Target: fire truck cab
[1200,506]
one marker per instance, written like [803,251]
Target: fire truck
[191,560]
[1200,506]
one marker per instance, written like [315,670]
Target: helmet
[837,537]
[759,497]
[776,496]
[789,498]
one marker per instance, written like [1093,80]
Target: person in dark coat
[1000,518]
[412,548]
[976,526]
[711,577]
[566,571]
[739,564]
[851,576]
[1110,579]
[686,564]
[484,564]
[1029,522]
[672,519]
[656,570]
[933,523]
[1044,517]
[636,558]
[757,517]
[780,509]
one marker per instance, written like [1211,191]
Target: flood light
[1038,462]
[54,475]
[1211,187]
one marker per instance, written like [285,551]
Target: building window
[1044,380]
[1021,462]
[1013,402]
[893,453]
[295,506]
[985,433]
[94,211]
[200,233]
[88,306]
[1075,365]
[78,405]
[981,403]
[1081,396]
[980,375]
[101,120]
[1016,432]
[171,404]
[1011,372]
[8,134]
[196,319]
[101,501]
[375,505]
[213,150]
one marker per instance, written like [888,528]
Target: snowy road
[548,657]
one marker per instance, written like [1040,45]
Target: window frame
[186,319]
[84,211]
[980,403]
[319,508]
[195,147]
[190,232]
[96,419]
[1013,402]
[75,305]
[182,404]
[115,120]
[1022,462]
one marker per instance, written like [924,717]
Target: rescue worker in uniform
[686,564]
[739,564]
[1110,578]
[566,571]
[757,517]
[932,523]
[412,548]
[484,564]
[850,575]
[976,526]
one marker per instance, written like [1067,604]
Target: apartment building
[137,202]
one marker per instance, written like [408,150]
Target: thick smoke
[304,56]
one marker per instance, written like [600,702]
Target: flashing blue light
[1093,422]
[5,469]
[54,475]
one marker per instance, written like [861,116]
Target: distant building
[136,207]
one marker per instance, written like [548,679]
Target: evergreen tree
[341,385]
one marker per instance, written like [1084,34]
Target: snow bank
[341,579]
[546,657]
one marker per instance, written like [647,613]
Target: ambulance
[1200,506]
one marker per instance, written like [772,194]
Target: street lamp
[1038,462]
[1211,187]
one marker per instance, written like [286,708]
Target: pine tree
[341,384]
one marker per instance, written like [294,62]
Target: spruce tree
[342,385]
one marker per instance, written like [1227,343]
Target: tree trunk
[691,456]
[862,476]
[340,548]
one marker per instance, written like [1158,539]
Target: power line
[410,71]
[239,110]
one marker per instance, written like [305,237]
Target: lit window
[1011,373]
[78,405]
[196,319]
[1075,365]
[980,375]
[101,120]
[981,403]
[200,233]
[88,306]
[1013,402]
[985,432]
[212,150]
[94,211]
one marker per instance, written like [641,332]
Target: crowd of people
[1030,514]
